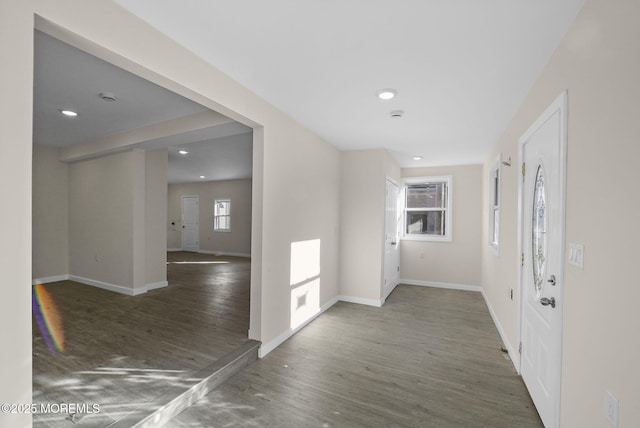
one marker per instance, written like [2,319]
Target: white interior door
[391,242]
[190,223]
[542,239]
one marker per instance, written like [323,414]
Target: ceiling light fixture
[386,94]
[202,176]
[68,113]
[416,158]
[183,152]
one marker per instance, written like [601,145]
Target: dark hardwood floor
[122,351]
[428,358]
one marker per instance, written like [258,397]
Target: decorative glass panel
[538,231]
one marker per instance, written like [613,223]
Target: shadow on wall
[305,281]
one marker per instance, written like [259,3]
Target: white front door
[391,242]
[190,226]
[542,238]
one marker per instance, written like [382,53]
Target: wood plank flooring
[428,358]
[122,352]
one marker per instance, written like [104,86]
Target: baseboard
[48,279]
[265,348]
[448,285]
[361,301]
[216,253]
[106,286]
[225,253]
[118,288]
[156,285]
[515,357]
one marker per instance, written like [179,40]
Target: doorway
[130,362]
[391,242]
[541,220]
[190,223]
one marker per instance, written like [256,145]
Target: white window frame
[448,209]
[216,216]
[494,204]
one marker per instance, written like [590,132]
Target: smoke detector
[397,113]
[108,96]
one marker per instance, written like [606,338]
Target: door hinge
[398,269]
[521,259]
[524,168]
[520,348]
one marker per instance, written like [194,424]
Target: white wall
[50,214]
[457,262]
[362,210]
[101,240]
[105,193]
[156,165]
[16,87]
[238,240]
[300,203]
[598,62]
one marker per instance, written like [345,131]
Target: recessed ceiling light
[386,94]
[183,152]
[69,113]
[202,176]
[417,158]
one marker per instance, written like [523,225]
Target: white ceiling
[227,158]
[67,78]
[461,67]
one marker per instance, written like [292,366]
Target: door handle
[393,242]
[548,302]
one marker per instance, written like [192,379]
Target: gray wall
[598,63]
[457,262]
[238,240]
[362,211]
[50,250]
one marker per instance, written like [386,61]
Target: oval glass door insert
[538,231]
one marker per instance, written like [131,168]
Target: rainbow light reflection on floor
[48,318]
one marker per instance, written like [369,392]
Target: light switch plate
[576,255]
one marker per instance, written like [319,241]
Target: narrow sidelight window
[494,205]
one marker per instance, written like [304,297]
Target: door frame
[385,292]
[182,220]
[560,105]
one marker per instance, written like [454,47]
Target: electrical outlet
[611,409]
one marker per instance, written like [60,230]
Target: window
[494,205]
[222,215]
[427,209]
